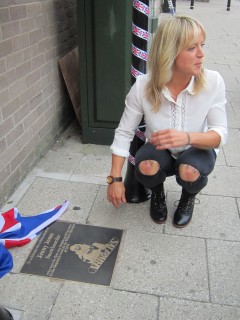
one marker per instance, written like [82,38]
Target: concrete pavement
[161,273]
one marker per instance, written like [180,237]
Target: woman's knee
[149,167]
[188,173]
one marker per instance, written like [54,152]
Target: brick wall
[34,104]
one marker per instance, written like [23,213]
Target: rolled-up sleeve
[129,122]
[217,118]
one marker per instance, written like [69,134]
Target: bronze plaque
[75,252]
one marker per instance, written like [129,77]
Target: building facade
[34,104]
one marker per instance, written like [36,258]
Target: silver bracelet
[189,139]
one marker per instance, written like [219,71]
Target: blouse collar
[189,89]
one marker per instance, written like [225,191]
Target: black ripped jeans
[201,159]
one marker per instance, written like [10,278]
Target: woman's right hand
[116,193]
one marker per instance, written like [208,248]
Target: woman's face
[189,61]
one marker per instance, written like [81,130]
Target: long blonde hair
[172,36]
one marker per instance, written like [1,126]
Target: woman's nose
[200,52]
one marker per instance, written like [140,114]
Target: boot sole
[158,222]
[180,227]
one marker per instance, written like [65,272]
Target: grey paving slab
[216,10]
[214,217]
[88,179]
[224,271]
[231,82]
[38,172]
[59,161]
[221,161]
[69,140]
[76,302]
[224,181]
[236,68]
[225,59]
[175,309]
[93,149]
[128,216]
[19,193]
[33,295]
[233,117]
[44,194]
[170,184]
[232,150]
[227,54]
[72,140]
[163,265]
[94,165]
[234,98]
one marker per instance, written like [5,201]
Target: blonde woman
[183,105]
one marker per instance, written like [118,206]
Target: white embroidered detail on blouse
[173,115]
[183,112]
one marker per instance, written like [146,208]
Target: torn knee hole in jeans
[148,167]
[188,173]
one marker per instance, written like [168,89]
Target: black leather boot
[5,314]
[184,212]
[158,208]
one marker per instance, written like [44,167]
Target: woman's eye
[192,48]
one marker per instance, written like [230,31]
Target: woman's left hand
[169,138]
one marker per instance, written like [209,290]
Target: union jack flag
[135,72]
[140,134]
[16,230]
[139,53]
[6,261]
[139,32]
[131,159]
[141,7]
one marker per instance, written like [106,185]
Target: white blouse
[193,113]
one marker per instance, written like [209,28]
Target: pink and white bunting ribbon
[135,72]
[139,53]
[139,32]
[142,7]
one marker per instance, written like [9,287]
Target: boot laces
[159,199]
[185,204]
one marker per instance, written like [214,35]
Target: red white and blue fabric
[139,32]
[141,7]
[16,230]
[135,72]
[6,261]
[141,54]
